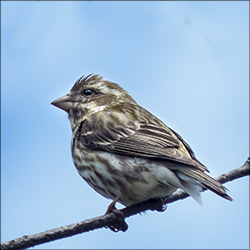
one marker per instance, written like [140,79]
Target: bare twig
[113,221]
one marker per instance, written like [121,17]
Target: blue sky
[186,62]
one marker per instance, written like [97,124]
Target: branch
[114,221]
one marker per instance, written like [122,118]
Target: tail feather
[209,182]
[191,186]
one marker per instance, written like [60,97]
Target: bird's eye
[88,92]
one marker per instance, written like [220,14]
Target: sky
[186,62]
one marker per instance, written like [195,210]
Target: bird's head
[91,94]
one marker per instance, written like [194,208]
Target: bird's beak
[65,103]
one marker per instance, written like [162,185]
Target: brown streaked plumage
[122,150]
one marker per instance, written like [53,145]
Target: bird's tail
[206,180]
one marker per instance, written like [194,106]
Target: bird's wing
[117,133]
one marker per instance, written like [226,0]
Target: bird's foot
[160,206]
[119,224]
[112,208]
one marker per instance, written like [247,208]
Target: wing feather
[117,133]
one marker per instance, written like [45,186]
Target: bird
[124,152]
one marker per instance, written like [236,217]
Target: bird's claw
[119,223]
[160,206]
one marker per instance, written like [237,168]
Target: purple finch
[126,153]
